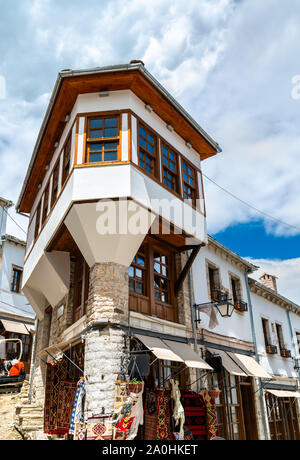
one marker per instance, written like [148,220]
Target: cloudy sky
[230,63]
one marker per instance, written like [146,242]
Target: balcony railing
[271,349]
[219,296]
[241,306]
[285,353]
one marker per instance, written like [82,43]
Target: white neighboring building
[16,315]
[277,326]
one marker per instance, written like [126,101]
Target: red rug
[195,415]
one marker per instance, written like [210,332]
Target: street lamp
[225,309]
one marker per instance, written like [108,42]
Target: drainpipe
[194,327]
[33,353]
[292,336]
[261,394]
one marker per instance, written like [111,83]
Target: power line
[251,206]
[15,221]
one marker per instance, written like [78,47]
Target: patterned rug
[55,373]
[99,428]
[195,415]
[212,422]
[157,415]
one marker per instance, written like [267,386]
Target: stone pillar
[104,344]
[39,372]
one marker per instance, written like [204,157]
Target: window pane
[141,261]
[110,132]
[97,134]
[110,156]
[95,147]
[131,285]
[96,124]
[157,294]
[142,132]
[142,143]
[131,272]
[139,273]
[110,146]
[109,122]
[95,157]
[139,288]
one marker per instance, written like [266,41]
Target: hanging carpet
[195,415]
[212,422]
[157,414]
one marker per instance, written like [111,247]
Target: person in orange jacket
[17,369]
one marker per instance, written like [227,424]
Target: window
[161,277]
[151,282]
[170,168]
[37,220]
[214,283]
[102,139]
[280,336]
[81,287]
[16,280]
[46,203]
[137,274]
[266,331]
[298,341]
[189,182]
[55,184]
[147,150]
[66,160]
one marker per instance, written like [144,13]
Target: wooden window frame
[266,331]
[46,202]
[15,271]
[80,295]
[37,220]
[103,140]
[279,334]
[147,304]
[195,187]
[165,167]
[66,162]
[55,183]
[154,157]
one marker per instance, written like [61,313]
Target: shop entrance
[248,409]
[282,417]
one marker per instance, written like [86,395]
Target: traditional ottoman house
[225,328]
[16,315]
[116,211]
[277,326]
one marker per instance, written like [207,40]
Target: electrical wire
[251,206]
[15,221]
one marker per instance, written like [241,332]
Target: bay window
[103,139]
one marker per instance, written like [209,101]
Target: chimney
[269,281]
[4,205]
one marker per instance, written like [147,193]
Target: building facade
[125,282]
[16,315]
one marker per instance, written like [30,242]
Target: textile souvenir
[55,374]
[67,391]
[121,393]
[150,415]
[157,415]
[163,414]
[178,410]
[212,422]
[80,431]
[195,415]
[137,413]
[77,411]
[99,428]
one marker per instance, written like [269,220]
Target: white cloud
[229,63]
[288,273]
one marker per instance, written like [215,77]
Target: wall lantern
[148,108]
[225,309]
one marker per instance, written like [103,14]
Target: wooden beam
[187,268]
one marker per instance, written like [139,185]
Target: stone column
[39,371]
[104,344]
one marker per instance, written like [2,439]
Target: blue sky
[252,240]
[229,63]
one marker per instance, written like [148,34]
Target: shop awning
[159,348]
[250,366]
[188,355]
[284,393]
[17,328]
[52,349]
[169,350]
[228,363]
